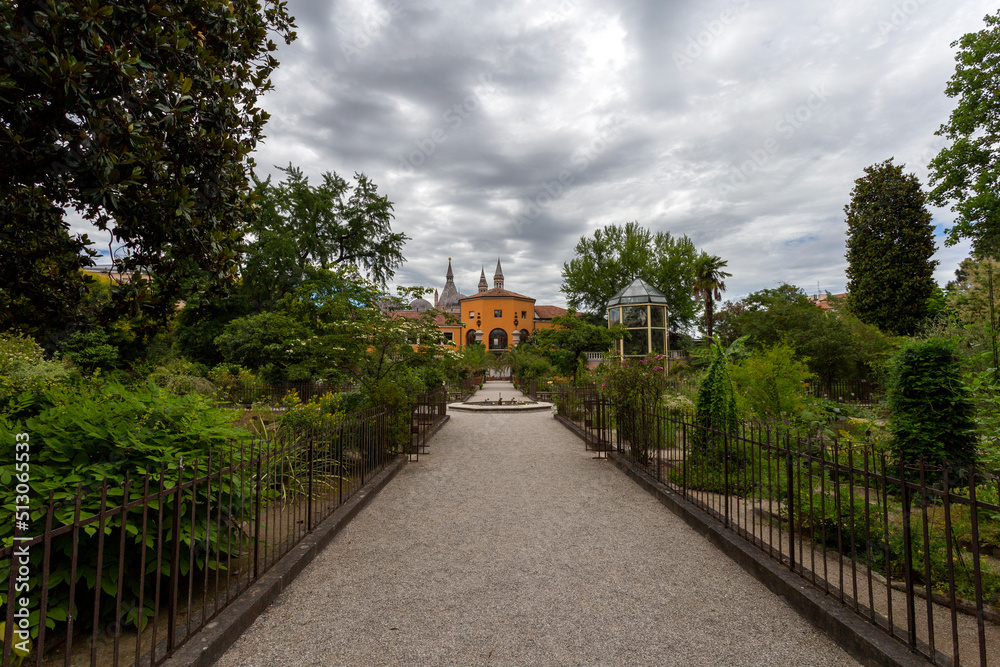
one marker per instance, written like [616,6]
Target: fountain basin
[493,406]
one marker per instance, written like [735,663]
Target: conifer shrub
[932,416]
[715,408]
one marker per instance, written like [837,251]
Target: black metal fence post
[725,471]
[790,485]
[256,519]
[309,496]
[911,612]
[976,567]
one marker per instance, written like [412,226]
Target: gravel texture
[509,544]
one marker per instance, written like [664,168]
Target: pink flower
[657,368]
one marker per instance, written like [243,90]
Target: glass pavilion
[643,310]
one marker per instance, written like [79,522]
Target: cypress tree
[890,242]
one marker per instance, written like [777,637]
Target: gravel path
[509,544]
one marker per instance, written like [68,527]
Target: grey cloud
[372,83]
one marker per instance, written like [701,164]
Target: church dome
[420,305]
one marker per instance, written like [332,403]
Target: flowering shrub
[233,382]
[21,358]
[635,388]
[25,375]
[324,411]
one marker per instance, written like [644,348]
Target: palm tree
[708,284]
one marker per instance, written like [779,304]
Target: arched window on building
[498,339]
[470,338]
[524,335]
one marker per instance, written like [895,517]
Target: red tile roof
[497,291]
[439,319]
[548,312]
[823,301]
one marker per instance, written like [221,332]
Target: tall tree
[572,336]
[142,117]
[615,255]
[834,344]
[42,290]
[890,242]
[974,295]
[305,227]
[708,284]
[966,173]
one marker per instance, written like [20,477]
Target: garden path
[509,544]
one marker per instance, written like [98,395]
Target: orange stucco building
[494,316]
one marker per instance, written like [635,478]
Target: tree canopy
[890,245]
[969,295]
[142,118]
[42,290]
[572,336]
[303,227]
[331,326]
[835,345]
[966,173]
[617,254]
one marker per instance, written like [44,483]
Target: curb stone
[208,645]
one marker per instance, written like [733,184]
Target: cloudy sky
[513,128]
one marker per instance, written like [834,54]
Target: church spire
[498,276]
[483,285]
[449,275]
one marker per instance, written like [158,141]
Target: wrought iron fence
[911,548]
[126,574]
[238,395]
[463,390]
[865,392]
[427,412]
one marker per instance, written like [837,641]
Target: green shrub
[432,377]
[270,343]
[395,393]
[715,409]
[635,388]
[85,435]
[932,413]
[91,350]
[180,376]
[771,383]
[25,375]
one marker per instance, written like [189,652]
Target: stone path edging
[207,646]
[864,642]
